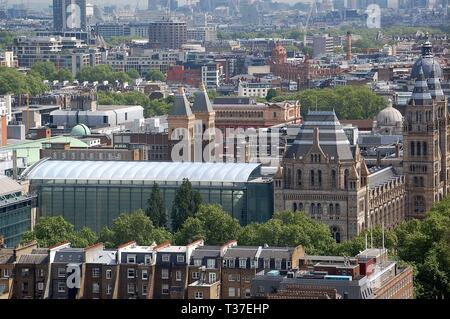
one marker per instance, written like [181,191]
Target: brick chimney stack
[349,46]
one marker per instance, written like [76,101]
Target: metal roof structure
[143,171]
[9,186]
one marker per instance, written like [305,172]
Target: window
[198,295]
[148,259]
[320,177]
[211,263]
[108,273]
[212,277]
[242,263]
[144,290]
[197,262]
[412,148]
[231,292]
[25,272]
[267,263]
[247,293]
[278,264]
[333,178]
[164,273]
[95,288]
[130,288]
[25,287]
[165,289]
[288,265]
[195,275]
[299,177]
[144,274]
[41,273]
[131,273]
[61,286]
[108,289]
[178,275]
[131,259]
[180,258]
[165,257]
[231,278]
[95,272]
[61,272]
[5,273]
[311,173]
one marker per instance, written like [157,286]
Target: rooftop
[144,171]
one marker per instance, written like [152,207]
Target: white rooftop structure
[143,171]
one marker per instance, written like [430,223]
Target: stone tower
[181,122]
[425,139]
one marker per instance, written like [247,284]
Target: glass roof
[150,171]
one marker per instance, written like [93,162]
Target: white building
[259,89]
[104,116]
[5,107]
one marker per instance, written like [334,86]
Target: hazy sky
[142,3]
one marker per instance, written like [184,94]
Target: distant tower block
[349,46]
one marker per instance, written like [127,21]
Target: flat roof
[150,171]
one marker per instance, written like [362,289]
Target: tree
[155,75]
[155,209]
[64,75]
[186,204]
[14,82]
[271,94]
[290,229]
[46,70]
[133,226]
[133,74]
[212,224]
[50,231]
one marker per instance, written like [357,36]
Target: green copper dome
[80,130]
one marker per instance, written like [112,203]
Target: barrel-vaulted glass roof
[150,171]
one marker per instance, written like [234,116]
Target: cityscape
[246,150]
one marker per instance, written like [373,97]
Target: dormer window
[242,263]
[165,258]
[180,258]
[131,259]
[197,262]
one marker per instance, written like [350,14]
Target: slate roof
[35,259]
[181,106]
[332,138]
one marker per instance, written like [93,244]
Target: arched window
[336,233]
[346,173]
[424,146]
[337,209]
[319,208]
[312,177]
[319,173]
[294,207]
[416,181]
[418,149]
[312,158]
[412,148]
[312,209]
[299,177]
[300,206]
[330,209]
[419,204]
[333,178]
[421,182]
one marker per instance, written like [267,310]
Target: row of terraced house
[196,271]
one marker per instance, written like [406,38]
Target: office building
[69,15]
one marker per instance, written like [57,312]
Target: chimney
[349,46]
[316,136]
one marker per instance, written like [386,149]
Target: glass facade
[15,218]
[96,203]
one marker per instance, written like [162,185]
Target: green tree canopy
[349,102]
[155,75]
[155,207]
[50,231]
[151,107]
[186,204]
[15,82]
[271,94]
[133,226]
[100,73]
[133,74]
[290,229]
[212,224]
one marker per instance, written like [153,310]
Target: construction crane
[305,27]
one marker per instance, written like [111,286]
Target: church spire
[181,105]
